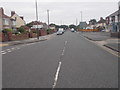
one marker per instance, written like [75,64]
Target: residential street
[63,61]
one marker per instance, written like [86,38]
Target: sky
[61,11]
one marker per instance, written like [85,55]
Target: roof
[101,21]
[83,23]
[37,22]
[114,14]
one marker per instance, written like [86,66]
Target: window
[13,22]
[5,22]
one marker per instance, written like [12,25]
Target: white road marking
[17,48]
[12,48]
[9,51]
[23,45]
[65,42]
[56,75]
[59,66]
[63,51]
[3,52]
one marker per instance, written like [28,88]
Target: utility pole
[37,20]
[76,21]
[48,17]
[81,16]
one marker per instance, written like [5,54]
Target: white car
[59,32]
[72,30]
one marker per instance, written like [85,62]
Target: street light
[48,17]
[37,20]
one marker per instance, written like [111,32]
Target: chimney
[12,13]
[1,10]
[22,17]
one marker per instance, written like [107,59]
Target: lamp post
[81,16]
[37,20]
[48,17]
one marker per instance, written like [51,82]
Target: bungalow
[39,25]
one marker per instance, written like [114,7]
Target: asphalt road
[64,61]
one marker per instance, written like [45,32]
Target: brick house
[6,22]
[113,20]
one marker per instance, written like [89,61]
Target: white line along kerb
[56,75]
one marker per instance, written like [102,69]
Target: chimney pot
[12,13]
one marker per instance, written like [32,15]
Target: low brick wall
[115,34]
[18,37]
[2,38]
[43,33]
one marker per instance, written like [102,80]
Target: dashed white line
[3,52]
[65,42]
[63,52]
[56,75]
[17,48]
[9,51]
[12,48]
[58,69]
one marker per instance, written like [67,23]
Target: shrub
[34,31]
[21,30]
[6,30]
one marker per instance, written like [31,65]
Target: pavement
[30,40]
[104,39]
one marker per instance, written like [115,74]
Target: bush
[6,30]
[21,30]
[34,31]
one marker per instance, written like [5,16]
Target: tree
[64,26]
[21,30]
[29,24]
[92,22]
[72,26]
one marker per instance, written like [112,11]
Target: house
[1,26]
[6,22]
[101,24]
[39,25]
[119,16]
[92,24]
[19,19]
[113,20]
[83,25]
[52,27]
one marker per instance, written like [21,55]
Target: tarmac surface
[63,61]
